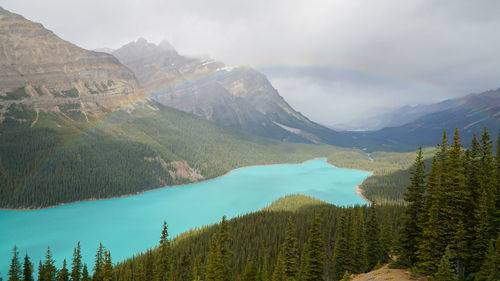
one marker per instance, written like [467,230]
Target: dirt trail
[385,273]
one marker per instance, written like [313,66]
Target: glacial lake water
[129,225]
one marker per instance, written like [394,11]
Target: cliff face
[39,69]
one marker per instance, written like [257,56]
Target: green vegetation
[17,94]
[73,93]
[249,247]
[293,203]
[390,171]
[452,213]
[61,160]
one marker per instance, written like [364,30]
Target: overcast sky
[332,60]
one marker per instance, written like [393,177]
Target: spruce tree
[184,272]
[48,269]
[213,261]
[85,273]
[224,272]
[410,232]
[107,268]
[487,181]
[27,269]
[290,252]
[490,269]
[250,273]
[15,267]
[445,269]
[40,271]
[434,228]
[341,254]
[456,200]
[99,263]
[63,274]
[76,268]
[359,259]
[373,248]
[162,266]
[279,273]
[346,277]
[314,252]
[263,272]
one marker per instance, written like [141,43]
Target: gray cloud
[379,54]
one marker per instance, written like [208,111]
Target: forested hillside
[448,229]
[49,158]
[308,241]
[452,220]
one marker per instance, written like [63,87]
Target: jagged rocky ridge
[238,97]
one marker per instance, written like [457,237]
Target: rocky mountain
[39,69]
[238,97]
[470,114]
[75,126]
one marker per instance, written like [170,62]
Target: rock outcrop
[39,69]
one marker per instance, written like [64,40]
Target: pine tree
[15,267]
[346,277]
[290,252]
[99,263]
[76,268]
[487,181]
[107,268]
[250,273]
[47,270]
[63,274]
[359,259]
[279,273]
[314,252]
[432,243]
[456,203]
[491,266]
[445,269]
[162,266]
[410,232]
[263,272]
[224,247]
[27,269]
[184,272]
[373,249]
[148,266]
[213,261]
[341,254]
[473,222]
[85,273]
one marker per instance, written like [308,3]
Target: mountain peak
[141,41]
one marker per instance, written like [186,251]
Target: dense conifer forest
[60,160]
[448,229]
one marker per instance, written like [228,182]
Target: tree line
[322,242]
[451,224]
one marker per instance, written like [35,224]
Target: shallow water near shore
[129,225]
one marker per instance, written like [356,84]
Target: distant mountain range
[394,117]
[470,114]
[237,97]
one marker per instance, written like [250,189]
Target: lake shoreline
[357,189]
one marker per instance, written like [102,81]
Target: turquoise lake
[129,225]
